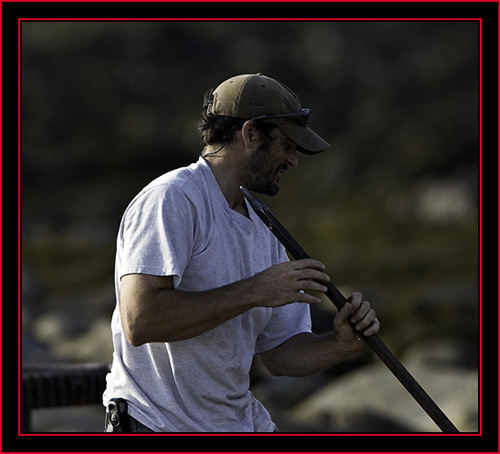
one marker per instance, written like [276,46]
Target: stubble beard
[258,174]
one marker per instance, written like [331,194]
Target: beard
[258,173]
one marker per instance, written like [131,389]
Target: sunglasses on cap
[302,116]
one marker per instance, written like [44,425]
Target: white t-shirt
[181,225]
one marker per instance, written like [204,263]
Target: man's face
[263,170]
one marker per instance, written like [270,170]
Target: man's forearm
[152,311]
[167,315]
[306,354]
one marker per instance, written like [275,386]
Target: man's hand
[288,282]
[308,353]
[354,318]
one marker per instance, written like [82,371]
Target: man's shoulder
[176,179]
[182,183]
[182,188]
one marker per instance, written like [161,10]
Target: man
[202,285]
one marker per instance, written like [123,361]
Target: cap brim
[308,142]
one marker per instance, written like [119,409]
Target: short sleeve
[157,235]
[286,322]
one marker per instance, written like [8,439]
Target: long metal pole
[374,342]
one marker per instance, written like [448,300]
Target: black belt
[119,421]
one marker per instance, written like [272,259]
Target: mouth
[281,170]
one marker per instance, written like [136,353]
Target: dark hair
[219,129]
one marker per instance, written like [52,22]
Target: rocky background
[392,208]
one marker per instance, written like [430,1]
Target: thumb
[342,317]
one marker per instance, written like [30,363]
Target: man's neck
[227,176]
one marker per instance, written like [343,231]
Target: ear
[249,134]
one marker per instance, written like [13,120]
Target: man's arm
[306,353]
[152,310]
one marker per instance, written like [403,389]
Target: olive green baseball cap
[262,98]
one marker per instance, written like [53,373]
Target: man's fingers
[308,263]
[312,286]
[363,319]
[373,329]
[343,315]
[355,299]
[366,321]
[303,297]
[309,269]
[361,312]
[312,275]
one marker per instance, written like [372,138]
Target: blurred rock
[95,344]
[445,201]
[57,326]
[93,299]
[371,399]
[442,353]
[447,309]
[74,336]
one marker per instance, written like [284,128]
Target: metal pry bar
[374,342]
